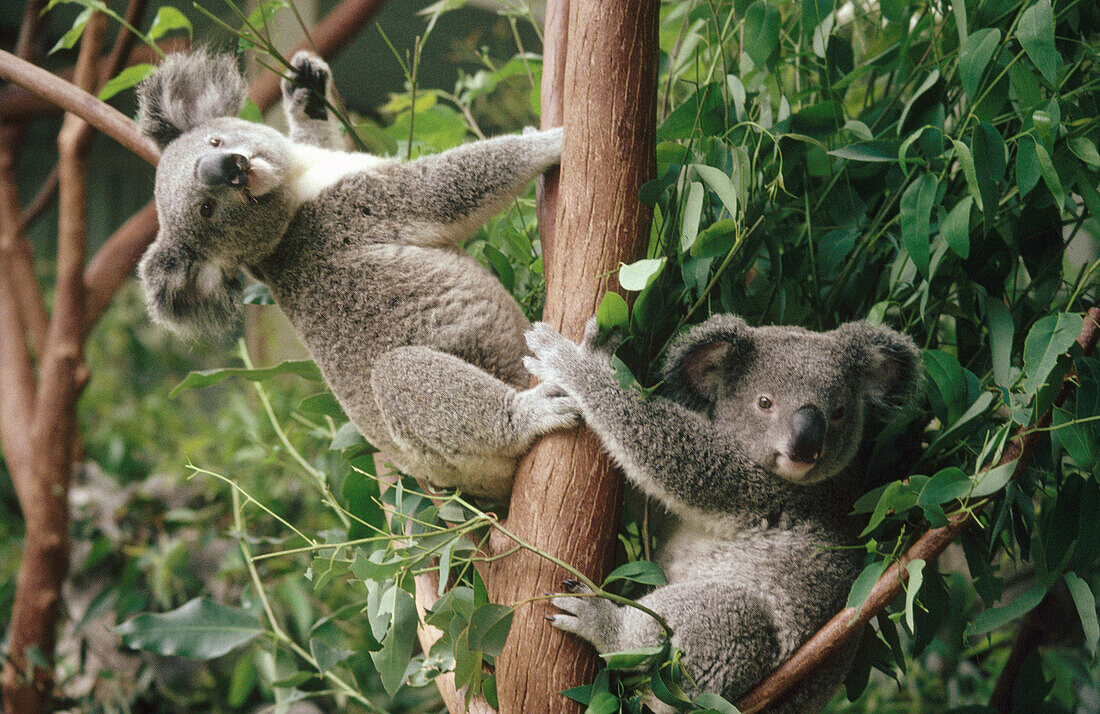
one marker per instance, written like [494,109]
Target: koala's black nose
[807,434]
[224,169]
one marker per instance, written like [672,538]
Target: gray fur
[421,344]
[756,555]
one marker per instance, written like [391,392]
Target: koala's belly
[351,308]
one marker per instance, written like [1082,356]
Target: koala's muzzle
[224,169]
[807,434]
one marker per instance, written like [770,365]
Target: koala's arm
[667,450]
[440,200]
[308,118]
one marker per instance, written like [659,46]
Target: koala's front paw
[546,408]
[593,618]
[554,356]
[307,89]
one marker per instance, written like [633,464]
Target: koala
[422,346]
[749,453]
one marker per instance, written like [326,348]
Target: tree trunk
[566,497]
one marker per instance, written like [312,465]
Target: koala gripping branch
[847,623]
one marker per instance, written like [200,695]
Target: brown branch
[44,499]
[19,105]
[15,250]
[847,623]
[72,99]
[566,498]
[556,42]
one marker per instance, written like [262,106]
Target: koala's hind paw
[308,87]
[593,618]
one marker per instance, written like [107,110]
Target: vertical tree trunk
[566,497]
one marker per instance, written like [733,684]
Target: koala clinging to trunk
[750,455]
[422,346]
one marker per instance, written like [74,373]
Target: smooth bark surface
[566,497]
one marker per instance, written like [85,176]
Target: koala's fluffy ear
[704,356]
[187,91]
[887,362]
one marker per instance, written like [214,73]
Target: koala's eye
[215,141]
[837,414]
[206,210]
[764,403]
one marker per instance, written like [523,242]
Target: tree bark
[566,497]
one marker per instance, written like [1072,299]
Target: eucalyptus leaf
[199,629]
[974,56]
[305,369]
[1036,34]
[916,209]
[638,276]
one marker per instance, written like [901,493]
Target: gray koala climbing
[749,454]
[421,345]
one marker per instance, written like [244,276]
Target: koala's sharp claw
[549,618]
[571,585]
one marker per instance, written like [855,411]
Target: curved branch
[847,623]
[99,114]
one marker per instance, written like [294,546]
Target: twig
[847,623]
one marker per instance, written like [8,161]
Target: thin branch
[18,104]
[847,623]
[102,116]
[113,262]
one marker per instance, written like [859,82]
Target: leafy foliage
[930,165]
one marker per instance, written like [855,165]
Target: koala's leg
[441,200]
[728,637]
[456,424]
[309,120]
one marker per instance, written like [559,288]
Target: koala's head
[795,400]
[221,197]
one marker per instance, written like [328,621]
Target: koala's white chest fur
[314,169]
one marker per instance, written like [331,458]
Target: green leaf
[125,79]
[863,585]
[997,617]
[242,681]
[966,161]
[1083,148]
[950,380]
[612,313]
[988,149]
[713,702]
[993,480]
[489,627]
[715,240]
[721,184]
[346,437]
[629,659]
[1001,334]
[251,112]
[167,19]
[305,369]
[501,266]
[200,629]
[639,571]
[1048,339]
[1086,609]
[69,39]
[974,56]
[1050,176]
[947,485]
[1027,164]
[638,276]
[1036,34]
[1073,437]
[916,208]
[393,659]
[693,210]
[915,568]
[326,655]
[929,82]
[955,229]
[603,702]
[323,404]
[762,25]
[868,151]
